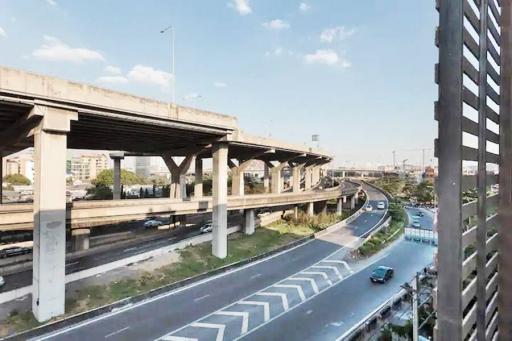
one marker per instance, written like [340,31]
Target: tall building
[87,167]
[22,163]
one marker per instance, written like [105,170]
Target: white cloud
[276,24]
[148,75]
[51,2]
[2,33]
[338,33]
[191,96]
[327,57]
[220,84]
[278,51]
[55,50]
[113,70]
[241,6]
[112,79]
[304,7]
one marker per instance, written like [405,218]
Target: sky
[358,73]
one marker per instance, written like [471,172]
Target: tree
[106,178]
[424,192]
[100,192]
[17,179]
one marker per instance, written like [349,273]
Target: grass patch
[194,260]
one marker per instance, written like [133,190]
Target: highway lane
[426,222]
[333,312]
[154,318]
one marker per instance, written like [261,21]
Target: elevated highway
[54,115]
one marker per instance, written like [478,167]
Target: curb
[75,319]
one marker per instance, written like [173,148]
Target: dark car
[420,214]
[14,251]
[381,275]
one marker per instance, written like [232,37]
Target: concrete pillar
[311,209]
[277,182]
[296,178]
[345,199]
[80,239]
[307,178]
[322,207]
[249,222]
[296,212]
[357,198]
[353,202]
[266,178]
[117,177]
[339,207]
[220,199]
[198,182]
[49,250]
[178,186]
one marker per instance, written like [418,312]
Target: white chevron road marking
[265,305]
[339,262]
[291,286]
[323,274]
[284,299]
[220,328]
[244,315]
[177,338]
[335,269]
[310,280]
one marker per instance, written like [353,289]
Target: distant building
[87,167]
[22,163]
[142,166]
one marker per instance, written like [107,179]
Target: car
[152,223]
[2,281]
[263,212]
[416,224]
[368,208]
[382,274]
[420,214]
[14,251]
[381,205]
[206,228]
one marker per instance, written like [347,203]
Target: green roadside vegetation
[194,260]
[385,236]
[407,188]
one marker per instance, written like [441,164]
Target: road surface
[177,310]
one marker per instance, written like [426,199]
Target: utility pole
[394,159]
[173,71]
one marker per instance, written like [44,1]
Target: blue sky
[359,73]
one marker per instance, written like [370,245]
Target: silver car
[2,281]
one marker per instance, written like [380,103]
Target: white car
[206,228]
[2,281]
[368,208]
[381,205]
[152,223]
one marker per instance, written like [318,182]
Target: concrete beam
[48,275]
[220,200]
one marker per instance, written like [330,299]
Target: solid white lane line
[220,328]
[116,332]
[310,280]
[265,305]
[73,263]
[244,315]
[323,274]
[177,338]
[335,269]
[200,298]
[284,299]
[292,286]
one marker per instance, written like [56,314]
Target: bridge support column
[296,212]
[266,178]
[277,176]
[311,209]
[296,170]
[49,251]
[339,207]
[344,199]
[308,178]
[178,188]
[198,181]
[220,199]
[117,176]
[237,177]
[249,222]
[1,178]
[353,202]
[80,239]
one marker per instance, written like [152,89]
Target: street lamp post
[173,80]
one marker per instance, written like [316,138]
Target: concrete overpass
[54,115]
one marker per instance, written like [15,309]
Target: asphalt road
[426,222]
[176,311]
